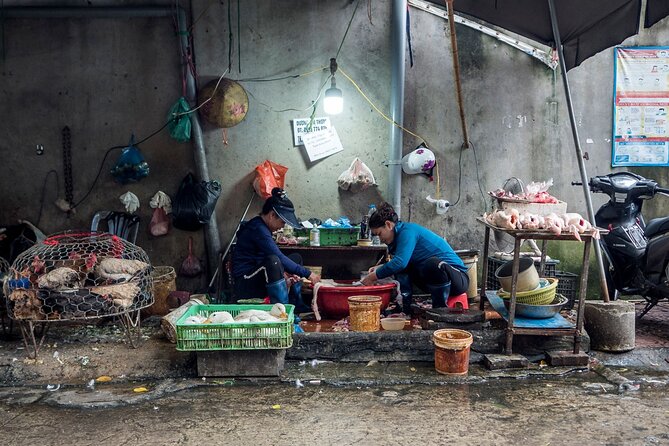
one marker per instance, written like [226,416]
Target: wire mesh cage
[72,276]
[4,271]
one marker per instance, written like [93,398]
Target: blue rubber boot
[278,292]
[295,298]
[439,294]
[406,290]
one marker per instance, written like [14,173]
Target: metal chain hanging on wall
[67,166]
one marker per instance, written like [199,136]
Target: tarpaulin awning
[586,27]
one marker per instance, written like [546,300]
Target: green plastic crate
[234,336]
[333,236]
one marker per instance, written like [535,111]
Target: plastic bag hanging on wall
[268,176]
[130,202]
[194,203]
[191,266]
[179,120]
[160,222]
[131,165]
[357,177]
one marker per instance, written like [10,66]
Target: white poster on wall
[301,127]
[641,103]
[322,144]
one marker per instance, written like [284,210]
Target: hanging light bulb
[333,102]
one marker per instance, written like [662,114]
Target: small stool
[459,301]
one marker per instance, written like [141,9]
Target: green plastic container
[333,236]
[234,336]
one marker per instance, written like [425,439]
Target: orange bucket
[364,313]
[451,351]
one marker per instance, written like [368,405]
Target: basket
[493,263]
[233,336]
[164,282]
[333,236]
[568,287]
[364,313]
[542,296]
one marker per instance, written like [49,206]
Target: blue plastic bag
[131,165]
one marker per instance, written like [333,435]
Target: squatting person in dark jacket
[258,265]
[420,257]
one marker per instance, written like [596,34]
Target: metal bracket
[392,163]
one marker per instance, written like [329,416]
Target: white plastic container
[315,237]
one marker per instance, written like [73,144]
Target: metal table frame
[522,234]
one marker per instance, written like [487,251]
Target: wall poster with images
[640,105]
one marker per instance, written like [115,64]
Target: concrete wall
[107,78]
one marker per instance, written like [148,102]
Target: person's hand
[291,279]
[369,279]
[314,278]
[373,268]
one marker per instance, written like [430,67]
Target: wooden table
[557,326]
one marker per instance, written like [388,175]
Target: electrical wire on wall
[104,158]
[43,195]
[189,64]
[478,177]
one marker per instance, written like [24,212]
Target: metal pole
[577,143]
[398,45]
[456,72]
[211,235]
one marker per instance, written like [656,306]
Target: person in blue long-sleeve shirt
[258,265]
[419,256]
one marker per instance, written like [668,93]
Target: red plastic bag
[160,223]
[191,266]
[268,176]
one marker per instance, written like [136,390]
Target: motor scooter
[636,254]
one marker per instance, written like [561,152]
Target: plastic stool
[459,301]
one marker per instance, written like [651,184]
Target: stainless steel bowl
[539,311]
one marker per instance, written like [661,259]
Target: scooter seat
[657,226]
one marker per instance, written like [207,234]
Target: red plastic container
[333,301]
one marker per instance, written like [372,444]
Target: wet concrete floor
[573,410]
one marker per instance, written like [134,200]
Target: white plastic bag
[536,187]
[161,200]
[357,177]
[130,201]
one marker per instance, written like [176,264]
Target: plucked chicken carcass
[119,269]
[571,222]
[504,219]
[121,294]
[554,223]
